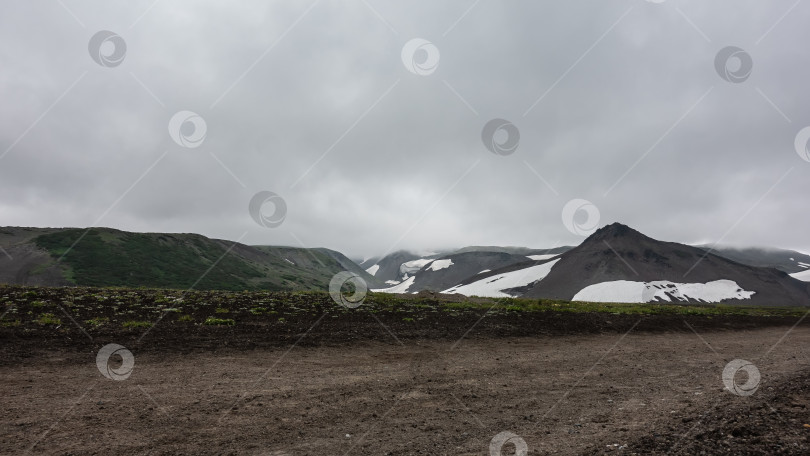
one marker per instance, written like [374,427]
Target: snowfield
[399,288]
[663,290]
[373,269]
[804,276]
[440,264]
[492,287]
[541,257]
[412,266]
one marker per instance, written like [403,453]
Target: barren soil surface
[633,393]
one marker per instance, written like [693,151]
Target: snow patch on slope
[412,266]
[440,264]
[373,269]
[541,257]
[492,287]
[640,292]
[399,288]
[804,276]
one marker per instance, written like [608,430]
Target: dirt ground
[617,393]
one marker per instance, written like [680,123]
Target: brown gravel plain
[642,392]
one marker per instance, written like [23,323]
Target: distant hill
[108,257]
[388,267]
[402,265]
[524,251]
[441,273]
[789,261]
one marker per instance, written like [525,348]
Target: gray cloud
[316,105]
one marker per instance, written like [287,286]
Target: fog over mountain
[183,112]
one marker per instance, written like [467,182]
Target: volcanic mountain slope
[413,273]
[23,262]
[617,256]
[107,257]
[448,270]
[789,261]
[387,269]
[521,251]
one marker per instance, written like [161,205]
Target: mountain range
[614,264]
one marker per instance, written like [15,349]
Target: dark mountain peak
[617,252]
[615,231]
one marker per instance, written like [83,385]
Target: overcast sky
[374,141]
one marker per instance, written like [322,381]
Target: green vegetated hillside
[106,257]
